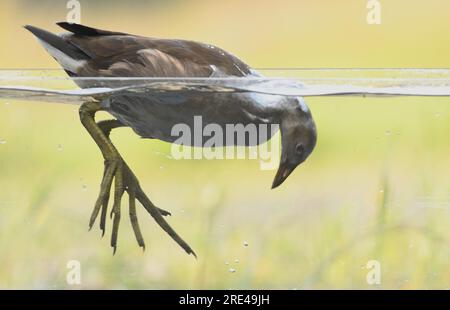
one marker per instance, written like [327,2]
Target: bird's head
[298,137]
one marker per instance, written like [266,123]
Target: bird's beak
[283,172]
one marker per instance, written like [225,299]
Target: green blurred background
[377,187]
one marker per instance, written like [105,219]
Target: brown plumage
[110,54]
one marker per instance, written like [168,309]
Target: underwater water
[376,188]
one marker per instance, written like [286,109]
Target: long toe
[118,193]
[148,205]
[105,189]
[134,219]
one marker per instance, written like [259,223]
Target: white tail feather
[64,60]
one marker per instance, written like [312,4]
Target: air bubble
[2,141]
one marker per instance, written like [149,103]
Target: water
[56,86]
[375,188]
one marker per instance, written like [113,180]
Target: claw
[164,212]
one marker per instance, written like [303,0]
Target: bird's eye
[299,149]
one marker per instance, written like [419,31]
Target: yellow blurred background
[377,187]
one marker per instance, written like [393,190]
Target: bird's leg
[124,180]
[106,126]
[103,199]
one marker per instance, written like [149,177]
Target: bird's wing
[145,62]
[119,54]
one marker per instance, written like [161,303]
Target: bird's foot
[124,180]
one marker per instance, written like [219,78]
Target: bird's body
[156,117]
[99,53]
[89,52]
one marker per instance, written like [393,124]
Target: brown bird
[90,52]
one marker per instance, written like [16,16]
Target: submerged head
[298,137]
